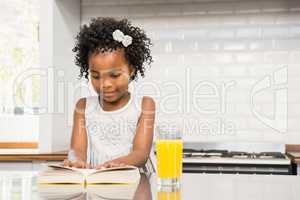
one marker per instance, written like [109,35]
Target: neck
[119,103]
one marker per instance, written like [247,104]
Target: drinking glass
[169,192]
[169,154]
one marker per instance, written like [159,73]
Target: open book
[76,191]
[58,174]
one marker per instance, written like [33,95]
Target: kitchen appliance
[236,158]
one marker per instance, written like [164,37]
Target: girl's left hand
[109,164]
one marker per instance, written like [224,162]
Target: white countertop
[194,186]
[234,187]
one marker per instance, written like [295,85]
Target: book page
[114,191]
[63,174]
[90,171]
[83,171]
[67,191]
[60,176]
[61,191]
[115,176]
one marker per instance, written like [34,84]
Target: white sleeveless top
[110,133]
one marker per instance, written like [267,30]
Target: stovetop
[225,156]
[232,154]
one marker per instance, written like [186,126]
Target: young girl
[113,128]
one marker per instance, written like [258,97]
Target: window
[19,51]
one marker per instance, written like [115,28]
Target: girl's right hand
[74,161]
[77,164]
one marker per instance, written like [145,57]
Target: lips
[108,93]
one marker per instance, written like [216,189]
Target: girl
[112,129]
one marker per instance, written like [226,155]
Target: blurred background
[227,70]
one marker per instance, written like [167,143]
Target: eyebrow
[108,71]
[93,71]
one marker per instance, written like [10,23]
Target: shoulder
[148,104]
[80,105]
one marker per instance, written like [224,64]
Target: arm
[143,190]
[79,136]
[143,138]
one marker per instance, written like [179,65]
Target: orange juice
[169,158]
[176,195]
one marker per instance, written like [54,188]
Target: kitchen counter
[22,185]
[294,152]
[295,157]
[31,155]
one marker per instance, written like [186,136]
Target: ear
[132,72]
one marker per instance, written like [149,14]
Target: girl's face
[110,74]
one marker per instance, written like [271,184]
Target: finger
[75,165]
[88,166]
[83,165]
[114,164]
[111,164]
[106,164]
[65,162]
[78,164]
[119,165]
[100,166]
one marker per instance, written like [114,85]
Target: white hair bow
[120,37]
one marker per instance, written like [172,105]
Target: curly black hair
[96,37]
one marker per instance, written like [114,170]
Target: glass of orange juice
[169,193]
[169,154]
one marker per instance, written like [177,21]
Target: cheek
[121,84]
[124,81]
[95,84]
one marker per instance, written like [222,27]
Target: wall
[228,69]
[60,21]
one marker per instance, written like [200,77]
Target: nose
[106,83]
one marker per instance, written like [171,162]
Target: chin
[111,99]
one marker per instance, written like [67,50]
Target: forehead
[107,61]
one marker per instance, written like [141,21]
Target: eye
[95,77]
[115,75]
